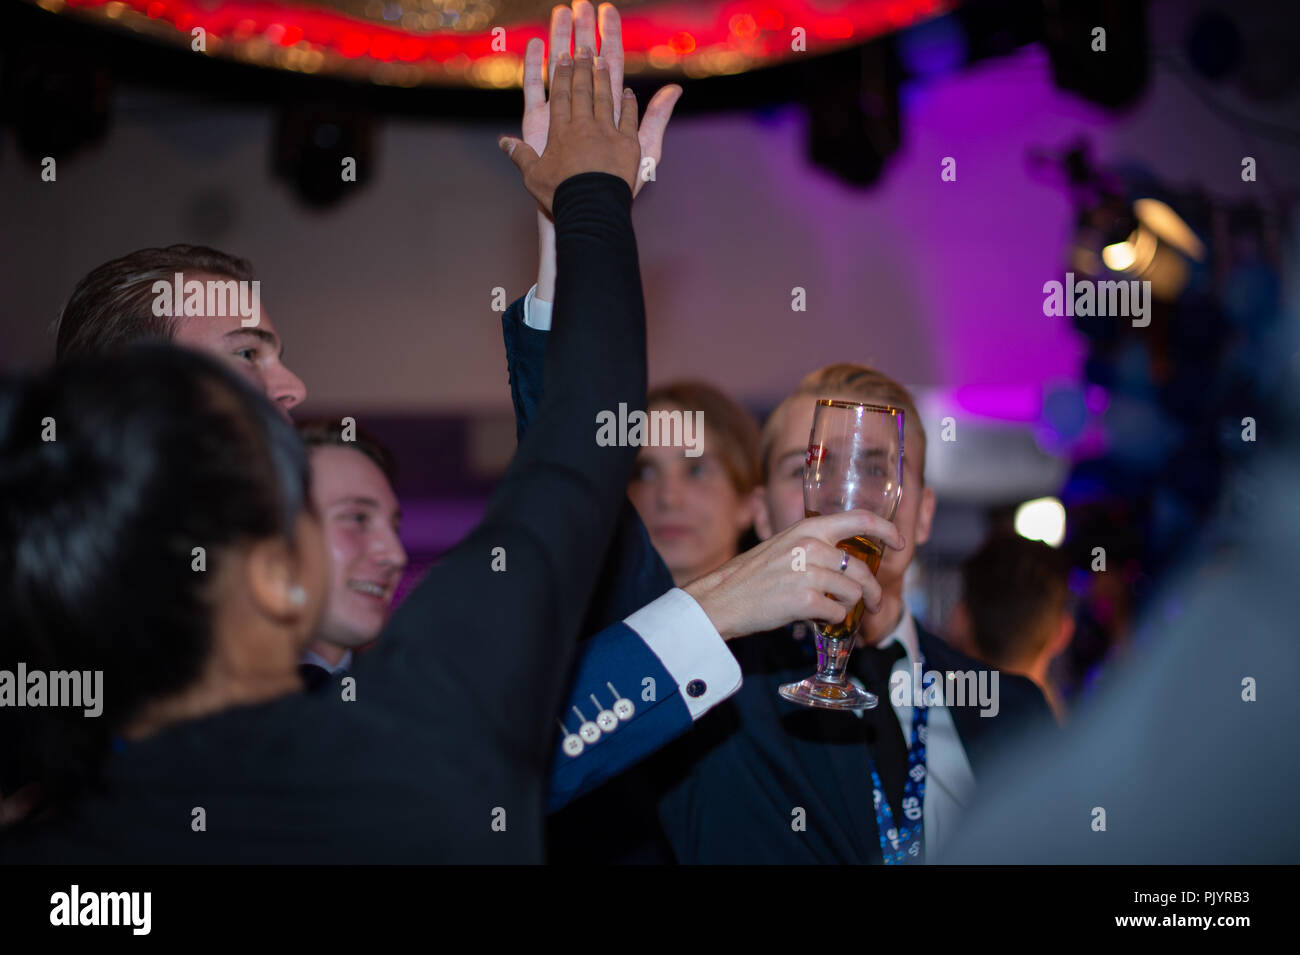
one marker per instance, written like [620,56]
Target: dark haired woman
[206,750]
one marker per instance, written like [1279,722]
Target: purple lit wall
[385,302]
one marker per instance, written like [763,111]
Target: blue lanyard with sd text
[901,844]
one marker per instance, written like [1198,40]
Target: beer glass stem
[833,658]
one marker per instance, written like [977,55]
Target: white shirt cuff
[682,636]
[537,314]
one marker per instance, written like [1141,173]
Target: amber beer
[867,551]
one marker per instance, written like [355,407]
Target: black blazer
[443,755]
[730,787]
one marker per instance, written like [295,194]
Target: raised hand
[582,135]
[761,589]
[579,27]
[540,60]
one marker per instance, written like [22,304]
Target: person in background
[1014,611]
[698,506]
[352,491]
[113,306]
[730,787]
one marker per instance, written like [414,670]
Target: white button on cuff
[589,731]
[623,707]
[605,719]
[572,743]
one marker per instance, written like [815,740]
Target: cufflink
[573,744]
[605,719]
[623,707]
[696,688]
[589,731]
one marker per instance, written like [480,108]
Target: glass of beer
[854,462]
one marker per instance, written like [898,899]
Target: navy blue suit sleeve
[525,359]
[616,656]
[633,575]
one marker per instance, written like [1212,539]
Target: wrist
[545,258]
[705,592]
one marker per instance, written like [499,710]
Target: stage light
[1114,78]
[361,39]
[1169,227]
[1119,255]
[1134,254]
[57,98]
[1042,519]
[1142,239]
[853,111]
[311,146]
[1157,251]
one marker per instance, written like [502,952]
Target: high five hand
[583,135]
[579,26]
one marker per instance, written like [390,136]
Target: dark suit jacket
[724,793]
[617,822]
[731,785]
[443,755]
[633,573]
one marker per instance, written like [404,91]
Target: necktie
[313,675]
[872,665]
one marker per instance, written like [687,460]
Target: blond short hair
[855,382]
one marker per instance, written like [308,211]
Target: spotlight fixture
[1108,67]
[56,98]
[853,113]
[1142,239]
[325,152]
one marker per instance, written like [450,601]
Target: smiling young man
[352,492]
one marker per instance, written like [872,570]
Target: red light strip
[758,30]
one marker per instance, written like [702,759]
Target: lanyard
[898,843]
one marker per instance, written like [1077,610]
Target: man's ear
[762,517]
[1061,639]
[271,573]
[925,516]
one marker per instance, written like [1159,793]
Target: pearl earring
[297,595]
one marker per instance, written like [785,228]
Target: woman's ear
[762,519]
[270,569]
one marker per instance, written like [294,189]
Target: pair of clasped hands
[590,125]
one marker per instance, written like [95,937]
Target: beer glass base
[829,696]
